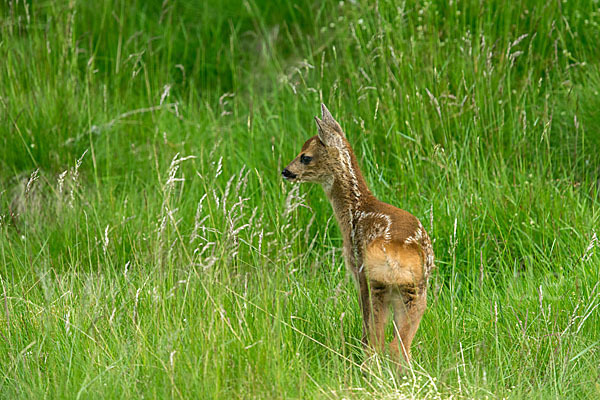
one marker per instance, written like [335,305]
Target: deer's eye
[305,159]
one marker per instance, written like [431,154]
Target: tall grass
[148,247]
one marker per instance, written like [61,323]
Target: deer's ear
[320,130]
[329,120]
[328,136]
[325,114]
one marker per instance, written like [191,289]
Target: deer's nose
[288,174]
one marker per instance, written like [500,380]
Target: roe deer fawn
[387,249]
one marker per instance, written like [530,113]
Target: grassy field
[149,248]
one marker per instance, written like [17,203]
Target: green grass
[128,270]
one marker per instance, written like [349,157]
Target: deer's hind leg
[375,306]
[409,307]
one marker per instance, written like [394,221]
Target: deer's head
[320,155]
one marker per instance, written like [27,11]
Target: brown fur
[387,249]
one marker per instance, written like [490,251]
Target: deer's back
[396,247]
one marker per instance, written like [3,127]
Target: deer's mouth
[288,175]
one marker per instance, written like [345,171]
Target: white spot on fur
[369,232]
[417,236]
[347,164]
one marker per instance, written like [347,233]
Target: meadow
[150,249]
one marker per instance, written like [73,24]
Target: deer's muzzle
[287,174]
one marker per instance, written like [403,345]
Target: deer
[386,249]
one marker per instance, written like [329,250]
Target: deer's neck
[347,192]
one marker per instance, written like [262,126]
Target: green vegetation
[149,248]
